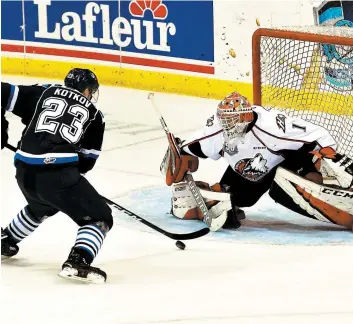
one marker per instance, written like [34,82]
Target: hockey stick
[10,147]
[174,236]
[207,216]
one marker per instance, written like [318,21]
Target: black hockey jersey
[21,100]
[63,126]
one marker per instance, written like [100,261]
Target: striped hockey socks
[22,225]
[90,238]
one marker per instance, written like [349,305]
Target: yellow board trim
[181,84]
[132,78]
[328,102]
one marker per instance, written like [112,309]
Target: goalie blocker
[331,204]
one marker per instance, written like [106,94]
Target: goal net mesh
[311,80]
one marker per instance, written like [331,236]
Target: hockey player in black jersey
[61,142]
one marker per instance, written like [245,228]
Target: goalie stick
[174,236]
[207,215]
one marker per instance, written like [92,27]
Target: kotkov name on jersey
[95,25]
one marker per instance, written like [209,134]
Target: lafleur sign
[121,31]
[164,34]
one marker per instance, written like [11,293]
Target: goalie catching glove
[335,165]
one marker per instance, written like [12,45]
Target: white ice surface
[279,267]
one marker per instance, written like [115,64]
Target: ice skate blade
[71,274]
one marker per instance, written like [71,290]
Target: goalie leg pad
[320,202]
[183,202]
[185,207]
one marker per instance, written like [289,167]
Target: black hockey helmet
[81,79]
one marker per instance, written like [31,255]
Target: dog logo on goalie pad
[252,169]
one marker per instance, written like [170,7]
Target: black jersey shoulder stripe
[195,148]
[12,98]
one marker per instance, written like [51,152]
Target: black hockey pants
[246,193]
[49,190]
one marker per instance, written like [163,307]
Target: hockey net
[308,72]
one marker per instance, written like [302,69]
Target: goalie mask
[234,114]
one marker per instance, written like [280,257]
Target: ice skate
[8,247]
[234,218]
[77,268]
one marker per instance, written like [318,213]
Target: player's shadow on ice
[34,265]
[36,270]
[287,226]
[17,262]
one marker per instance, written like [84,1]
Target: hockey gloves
[336,165]
[176,164]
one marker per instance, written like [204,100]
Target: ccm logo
[343,194]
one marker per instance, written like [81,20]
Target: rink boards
[154,45]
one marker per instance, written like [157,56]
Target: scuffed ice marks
[266,223]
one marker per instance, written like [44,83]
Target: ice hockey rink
[278,267]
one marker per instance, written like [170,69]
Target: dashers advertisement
[173,35]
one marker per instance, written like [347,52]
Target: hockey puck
[180,245]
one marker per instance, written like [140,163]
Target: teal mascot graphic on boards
[338,74]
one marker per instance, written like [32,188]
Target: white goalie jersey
[272,138]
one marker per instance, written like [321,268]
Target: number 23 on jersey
[54,109]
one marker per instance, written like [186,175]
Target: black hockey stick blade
[174,236]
